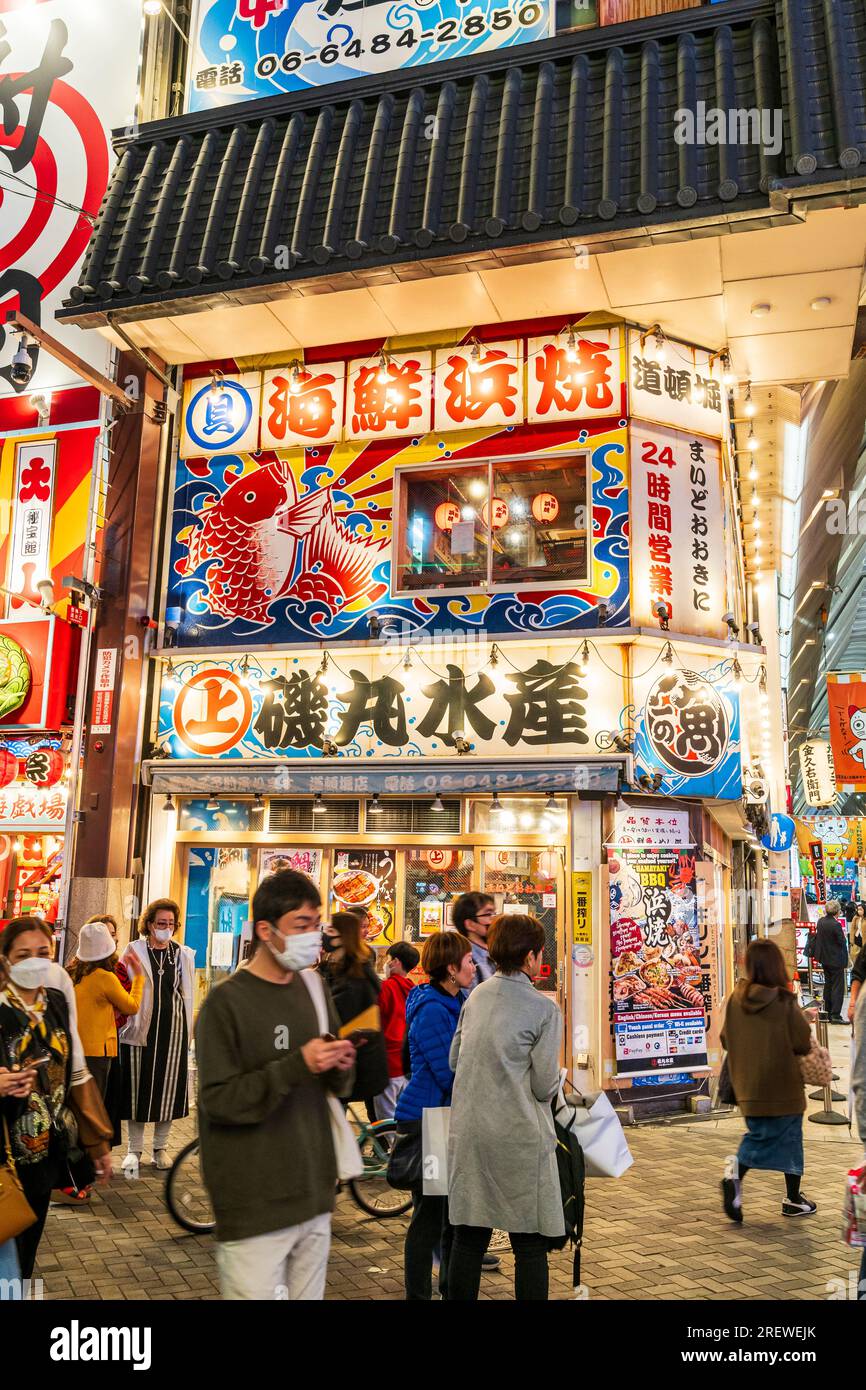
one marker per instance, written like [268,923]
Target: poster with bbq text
[661,992]
[367,878]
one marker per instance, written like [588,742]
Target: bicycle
[189,1202]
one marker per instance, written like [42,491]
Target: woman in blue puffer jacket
[432,1013]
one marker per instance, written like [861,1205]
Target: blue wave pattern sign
[242,49]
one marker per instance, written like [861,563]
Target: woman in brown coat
[765,1033]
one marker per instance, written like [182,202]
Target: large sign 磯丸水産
[373,707]
[242,49]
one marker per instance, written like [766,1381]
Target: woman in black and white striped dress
[155,1042]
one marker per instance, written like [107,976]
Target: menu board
[660,977]
[367,878]
[303,861]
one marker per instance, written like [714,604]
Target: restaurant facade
[442,573]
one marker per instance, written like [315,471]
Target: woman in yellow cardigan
[98,993]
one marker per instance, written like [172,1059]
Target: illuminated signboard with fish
[294,545]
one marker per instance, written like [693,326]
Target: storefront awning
[492,157]
[224,778]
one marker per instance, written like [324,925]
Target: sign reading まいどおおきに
[372,707]
[241,49]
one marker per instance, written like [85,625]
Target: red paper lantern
[438,858]
[545,507]
[44,767]
[497,511]
[8,767]
[445,515]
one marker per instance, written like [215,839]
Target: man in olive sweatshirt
[264,1074]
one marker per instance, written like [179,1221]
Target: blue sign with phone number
[242,49]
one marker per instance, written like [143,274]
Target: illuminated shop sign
[241,49]
[572,375]
[372,705]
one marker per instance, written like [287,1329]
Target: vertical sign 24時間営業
[677,529]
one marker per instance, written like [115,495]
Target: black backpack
[572,1177]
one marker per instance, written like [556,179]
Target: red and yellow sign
[846,708]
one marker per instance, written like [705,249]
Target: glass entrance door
[529,881]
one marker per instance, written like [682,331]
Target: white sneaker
[161,1160]
[129,1167]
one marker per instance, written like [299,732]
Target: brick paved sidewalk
[659,1232]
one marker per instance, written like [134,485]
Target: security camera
[21,369]
[330,749]
[374,627]
[663,613]
[601,614]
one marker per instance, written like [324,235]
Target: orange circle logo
[212,712]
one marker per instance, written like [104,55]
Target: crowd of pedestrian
[306,1026]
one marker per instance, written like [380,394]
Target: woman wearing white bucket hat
[98,994]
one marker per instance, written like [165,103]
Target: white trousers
[135,1139]
[290,1265]
[386,1103]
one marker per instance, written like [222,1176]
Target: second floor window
[493,524]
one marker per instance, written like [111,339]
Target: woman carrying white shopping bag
[502,1147]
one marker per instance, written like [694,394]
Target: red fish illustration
[249,541]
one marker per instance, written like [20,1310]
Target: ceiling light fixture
[295,382]
[749,408]
[438,804]
[212,803]
[383,375]
[319,807]
[495,805]
[761,309]
[258,804]
[552,805]
[168,804]
[583,659]
[374,808]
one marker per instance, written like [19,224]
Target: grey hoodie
[858,1069]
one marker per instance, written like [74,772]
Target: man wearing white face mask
[155,1041]
[266,1068]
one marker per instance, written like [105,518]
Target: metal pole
[70,828]
[827,1116]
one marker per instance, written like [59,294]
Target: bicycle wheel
[371,1191]
[186,1196]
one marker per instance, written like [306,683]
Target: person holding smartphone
[37,1078]
[265,1074]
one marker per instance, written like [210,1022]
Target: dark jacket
[353,994]
[432,1016]
[764,1033]
[831,944]
[858,971]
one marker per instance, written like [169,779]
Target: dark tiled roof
[563,138]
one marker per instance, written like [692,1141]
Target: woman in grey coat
[502,1146]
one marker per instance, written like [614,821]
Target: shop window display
[434,878]
[527,880]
